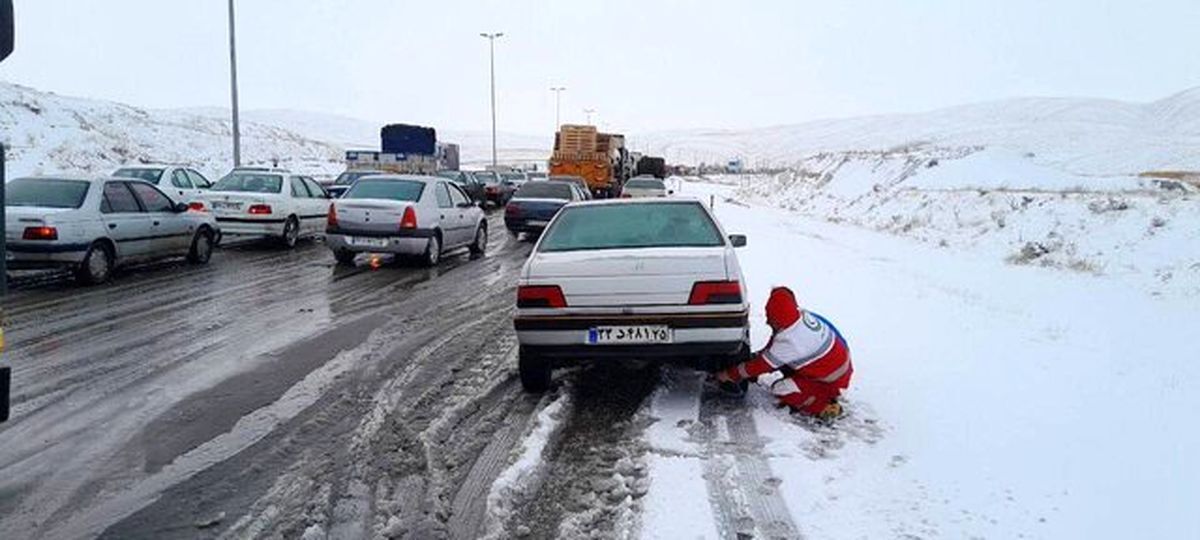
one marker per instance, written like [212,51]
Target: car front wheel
[535,372]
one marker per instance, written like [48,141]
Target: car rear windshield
[250,182]
[149,175]
[544,190]
[46,193]
[513,176]
[620,226]
[396,190]
[646,184]
[488,178]
[349,177]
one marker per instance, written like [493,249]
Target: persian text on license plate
[226,205]
[621,335]
[368,242]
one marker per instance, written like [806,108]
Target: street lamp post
[492,63]
[233,90]
[558,90]
[589,113]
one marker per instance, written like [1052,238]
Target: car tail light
[196,206]
[540,296]
[491,189]
[331,218]
[716,292]
[512,210]
[409,220]
[260,209]
[40,233]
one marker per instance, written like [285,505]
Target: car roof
[270,170]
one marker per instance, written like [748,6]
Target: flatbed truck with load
[404,149]
[601,159]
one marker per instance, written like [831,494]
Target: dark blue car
[536,203]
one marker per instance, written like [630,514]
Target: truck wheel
[535,372]
[96,266]
[344,257]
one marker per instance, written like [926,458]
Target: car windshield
[618,226]
[250,182]
[488,178]
[381,188]
[349,177]
[45,193]
[139,173]
[646,183]
[544,190]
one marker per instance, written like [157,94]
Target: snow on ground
[990,400]
[1004,206]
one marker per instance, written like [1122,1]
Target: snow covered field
[990,401]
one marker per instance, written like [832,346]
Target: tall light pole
[589,113]
[558,90]
[492,62]
[233,89]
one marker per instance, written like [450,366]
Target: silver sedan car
[94,225]
[406,215]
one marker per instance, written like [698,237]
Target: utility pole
[558,90]
[233,89]
[492,62]
[589,113]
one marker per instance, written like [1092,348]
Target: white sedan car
[180,183]
[631,279]
[406,215]
[644,186]
[269,203]
[94,225]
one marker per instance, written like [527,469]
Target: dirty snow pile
[1004,206]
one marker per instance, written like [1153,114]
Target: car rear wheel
[433,251]
[291,233]
[96,266]
[344,257]
[479,246]
[202,248]
[535,372]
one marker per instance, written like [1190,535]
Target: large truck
[601,159]
[652,166]
[406,149]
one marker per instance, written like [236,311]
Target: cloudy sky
[642,64]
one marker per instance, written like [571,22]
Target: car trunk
[628,277]
[17,218]
[233,204]
[370,215]
[534,209]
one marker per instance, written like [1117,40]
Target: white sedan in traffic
[407,215]
[182,184]
[271,203]
[631,279]
[644,186]
[91,226]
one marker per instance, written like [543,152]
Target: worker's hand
[723,377]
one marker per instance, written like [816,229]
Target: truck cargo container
[408,139]
[652,166]
[601,159]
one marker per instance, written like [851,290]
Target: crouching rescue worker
[808,351]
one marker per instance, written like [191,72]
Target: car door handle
[112,225]
[155,223]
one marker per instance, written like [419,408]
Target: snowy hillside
[1085,136]
[48,133]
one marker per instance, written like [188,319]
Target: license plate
[621,335]
[368,242]
[226,205]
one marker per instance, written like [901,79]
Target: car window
[380,188]
[298,189]
[46,193]
[149,175]
[443,196]
[349,177]
[179,179]
[118,199]
[250,182]
[618,226]
[457,197]
[544,190]
[151,198]
[198,179]
[315,188]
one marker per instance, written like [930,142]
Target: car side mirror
[738,240]
[6,28]
[467,204]
[180,208]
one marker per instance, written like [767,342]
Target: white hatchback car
[94,225]
[631,279]
[269,202]
[180,183]
[406,215]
